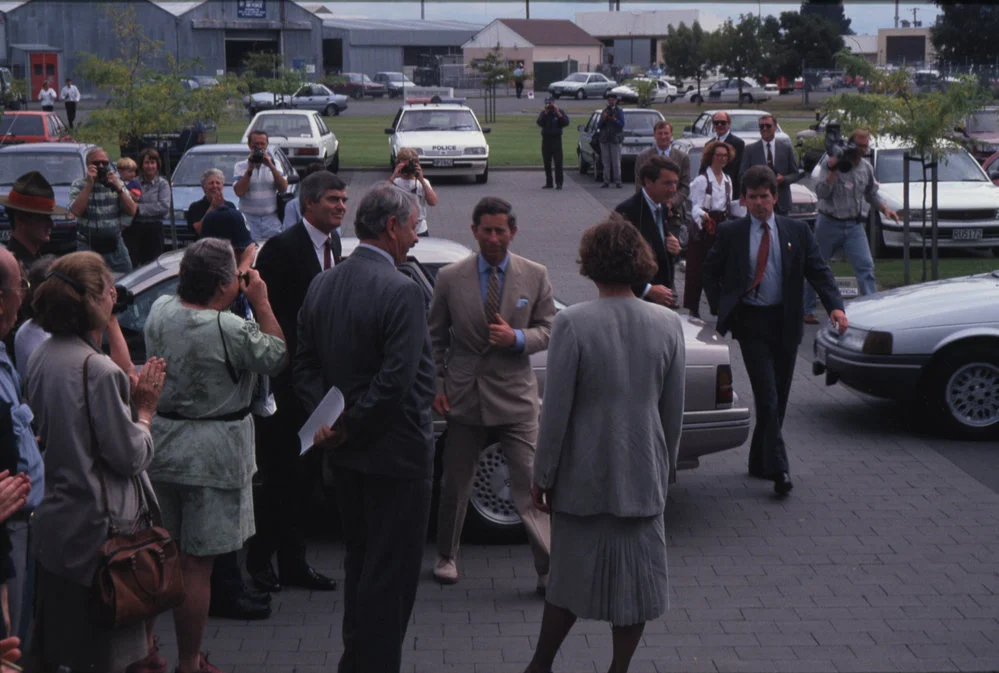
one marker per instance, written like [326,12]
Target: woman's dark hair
[150,152]
[60,306]
[207,264]
[707,155]
[615,253]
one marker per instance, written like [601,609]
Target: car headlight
[802,208]
[852,340]
[476,150]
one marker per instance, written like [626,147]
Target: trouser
[117,260]
[769,361]
[70,112]
[697,250]
[48,108]
[551,151]
[384,522]
[461,458]
[520,88]
[144,240]
[610,153]
[227,580]
[832,235]
[21,588]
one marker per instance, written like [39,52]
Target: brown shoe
[810,319]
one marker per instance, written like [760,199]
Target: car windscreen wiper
[424,128]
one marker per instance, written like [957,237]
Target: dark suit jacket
[727,274]
[363,329]
[637,211]
[288,263]
[784,163]
[733,166]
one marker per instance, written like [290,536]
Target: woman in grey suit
[610,431]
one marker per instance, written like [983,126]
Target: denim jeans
[832,235]
[262,227]
[118,260]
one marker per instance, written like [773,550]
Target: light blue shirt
[29,458]
[484,272]
[770,291]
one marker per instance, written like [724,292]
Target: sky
[866,17]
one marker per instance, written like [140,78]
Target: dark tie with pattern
[770,158]
[491,306]
[761,259]
[327,254]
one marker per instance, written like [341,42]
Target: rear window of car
[287,126]
[22,125]
[59,168]
[745,124]
[641,121]
[190,169]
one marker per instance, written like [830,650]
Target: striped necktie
[491,307]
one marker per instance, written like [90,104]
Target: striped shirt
[104,217]
[261,196]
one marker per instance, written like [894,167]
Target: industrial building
[634,38]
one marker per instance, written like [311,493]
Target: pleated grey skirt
[609,568]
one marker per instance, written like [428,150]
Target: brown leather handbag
[138,575]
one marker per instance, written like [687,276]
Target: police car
[445,134]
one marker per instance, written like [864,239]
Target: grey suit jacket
[678,156]
[489,385]
[363,329]
[784,163]
[613,410]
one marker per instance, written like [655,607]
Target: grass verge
[889,273]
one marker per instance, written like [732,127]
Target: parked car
[745,124]
[395,83]
[446,136]
[582,85]
[714,417]
[22,126]
[186,181]
[968,202]
[991,167]
[727,91]
[61,164]
[310,97]
[979,134]
[302,134]
[933,346]
[662,91]
[638,125]
[358,85]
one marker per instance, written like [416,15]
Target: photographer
[845,179]
[408,176]
[103,208]
[552,120]
[258,187]
[610,131]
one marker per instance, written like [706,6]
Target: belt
[856,218]
[232,416]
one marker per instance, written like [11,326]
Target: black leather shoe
[257,596]
[241,608]
[558,186]
[308,578]
[266,580]
[757,474]
[782,484]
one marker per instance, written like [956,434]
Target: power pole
[527,7]
[896,13]
[915,10]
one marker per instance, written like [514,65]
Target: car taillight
[308,151]
[723,385]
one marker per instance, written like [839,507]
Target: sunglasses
[719,122]
[101,163]
[766,126]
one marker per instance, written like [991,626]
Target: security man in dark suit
[753,278]
[288,263]
[778,155]
[552,119]
[661,218]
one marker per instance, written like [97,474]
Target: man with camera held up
[845,180]
[258,186]
[103,206]
[408,176]
[610,131]
[552,120]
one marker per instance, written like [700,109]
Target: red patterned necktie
[327,255]
[770,157]
[761,259]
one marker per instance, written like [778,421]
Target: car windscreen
[190,169]
[133,319]
[287,126]
[576,77]
[27,125]
[640,123]
[438,120]
[983,122]
[59,168]
[394,76]
[954,166]
[745,124]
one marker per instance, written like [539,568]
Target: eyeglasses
[719,122]
[101,163]
[766,126]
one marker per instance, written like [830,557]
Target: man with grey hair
[288,263]
[381,448]
[212,183]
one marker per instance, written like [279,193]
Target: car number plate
[820,354]
[847,286]
[443,163]
[631,149]
[967,235]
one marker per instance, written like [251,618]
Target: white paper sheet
[326,413]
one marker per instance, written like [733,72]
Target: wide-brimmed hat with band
[32,193]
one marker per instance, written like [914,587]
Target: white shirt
[722,138]
[701,203]
[415,187]
[47,96]
[70,93]
[319,243]
[261,196]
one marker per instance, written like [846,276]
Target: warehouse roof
[550,32]
[177,7]
[399,24]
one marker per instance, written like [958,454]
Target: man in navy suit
[753,278]
[778,155]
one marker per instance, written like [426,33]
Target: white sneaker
[542,587]
[445,570]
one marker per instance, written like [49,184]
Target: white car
[967,200]
[727,91]
[446,136]
[745,124]
[934,346]
[302,134]
[395,82]
[310,97]
[662,91]
[582,85]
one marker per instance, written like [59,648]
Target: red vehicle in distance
[22,126]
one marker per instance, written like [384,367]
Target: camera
[102,173]
[123,299]
[844,150]
[410,167]
[257,156]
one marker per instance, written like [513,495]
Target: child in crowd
[127,170]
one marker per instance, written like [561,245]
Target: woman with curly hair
[610,432]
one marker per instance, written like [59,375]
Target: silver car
[933,346]
[582,85]
[714,419]
[316,97]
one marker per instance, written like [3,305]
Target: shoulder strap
[93,443]
[228,364]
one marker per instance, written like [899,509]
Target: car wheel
[556,96]
[964,390]
[356,94]
[747,98]
[491,514]
[584,167]
[335,166]
[330,110]
[484,178]
[697,99]
[580,94]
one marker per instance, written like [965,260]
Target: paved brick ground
[884,558]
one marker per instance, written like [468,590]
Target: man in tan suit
[663,134]
[489,312]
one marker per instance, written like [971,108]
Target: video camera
[844,150]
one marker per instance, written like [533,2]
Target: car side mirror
[294,178]
[486,129]
[688,129]
[389,131]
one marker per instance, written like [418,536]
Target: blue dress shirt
[29,458]
[771,289]
[484,271]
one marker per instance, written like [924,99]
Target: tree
[806,37]
[265,71]
[495,69]
[738,49]
[685,52]
[831,10]
[953,35]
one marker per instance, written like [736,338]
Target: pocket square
[522,302]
